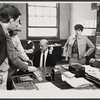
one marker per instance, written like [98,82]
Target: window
[43,20]
[89,27]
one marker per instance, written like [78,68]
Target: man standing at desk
[44,56]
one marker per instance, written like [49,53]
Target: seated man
[44,56]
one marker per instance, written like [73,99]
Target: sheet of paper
[68,74]
[65,66]
[47,86]
[95,72]
[75,82]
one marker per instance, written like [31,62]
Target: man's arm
[14,59]
[20,50]
[51,57]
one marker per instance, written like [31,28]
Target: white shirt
[41,58]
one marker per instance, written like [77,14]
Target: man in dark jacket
[44,57]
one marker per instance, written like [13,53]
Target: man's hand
[84,55]
[36,72]
[50,49]
[31,69]
[38,75]
[30,63]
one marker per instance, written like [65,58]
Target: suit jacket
[14,61]
[50,61]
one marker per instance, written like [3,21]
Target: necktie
[43,59]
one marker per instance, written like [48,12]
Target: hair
[7,12]
[45,41]
[78,27]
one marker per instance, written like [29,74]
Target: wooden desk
[59,83]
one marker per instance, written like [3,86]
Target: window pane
[53,21]
[32,21]
[42,19]
[38,11]
[89,31]
[46,11]
[52,11]
[43,4]
[31,11]
[38,32]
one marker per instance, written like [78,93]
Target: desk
[47,70]
[58,83]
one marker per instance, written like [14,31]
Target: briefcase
[77,69]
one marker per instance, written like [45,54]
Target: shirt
[75,47]
[41,58]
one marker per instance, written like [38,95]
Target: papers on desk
[68,74]
[47,86]
[26,78]
[88,69]
[92,71]
[65,66]
[76,82]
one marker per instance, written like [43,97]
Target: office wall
[64,20]
[81,12]
[22,8]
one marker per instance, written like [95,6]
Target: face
[78,32]
[15,25]
[43,46]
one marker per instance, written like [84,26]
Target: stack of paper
[65,66]
[47,86]
[95,72]
[76,82]
[26,78]
[68,74]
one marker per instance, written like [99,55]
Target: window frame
[41,37]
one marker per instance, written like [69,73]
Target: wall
[81,12]
[64,20]
[22,9]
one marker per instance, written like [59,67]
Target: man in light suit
[45,50]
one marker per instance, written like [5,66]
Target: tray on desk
[24,82]
[93,79]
